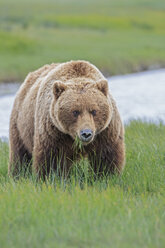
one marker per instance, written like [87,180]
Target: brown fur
[42,124]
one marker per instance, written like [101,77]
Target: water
[138,96]
[7,94]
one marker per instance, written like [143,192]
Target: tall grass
[82,211]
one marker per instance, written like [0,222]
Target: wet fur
[35,132]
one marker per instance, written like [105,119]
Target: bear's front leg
[43,158]
[48,158]
[110,158]
[115,156]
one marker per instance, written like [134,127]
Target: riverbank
[119,37]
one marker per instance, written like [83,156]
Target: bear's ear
[58,88]
[102,85]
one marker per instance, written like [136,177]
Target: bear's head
[81,109]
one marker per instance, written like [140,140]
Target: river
[138,96]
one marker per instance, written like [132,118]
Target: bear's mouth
[79,141]
[85,143]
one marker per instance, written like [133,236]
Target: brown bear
[58,104]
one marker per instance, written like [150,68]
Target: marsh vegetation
[117,36]
[83,211]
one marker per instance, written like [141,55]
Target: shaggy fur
[43,125]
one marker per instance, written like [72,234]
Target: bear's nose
[86,135]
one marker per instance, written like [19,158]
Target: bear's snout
[86,135]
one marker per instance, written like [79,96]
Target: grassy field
[118,36]
[126,211]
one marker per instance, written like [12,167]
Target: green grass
[126,211]
[117,36]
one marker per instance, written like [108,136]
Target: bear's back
[73,70]
[25,102]
[33,79]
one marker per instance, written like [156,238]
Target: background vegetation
[118,36]
[126,211]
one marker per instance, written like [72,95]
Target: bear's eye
[76,113]
[93,112]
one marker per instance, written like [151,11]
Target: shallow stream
[138,96]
